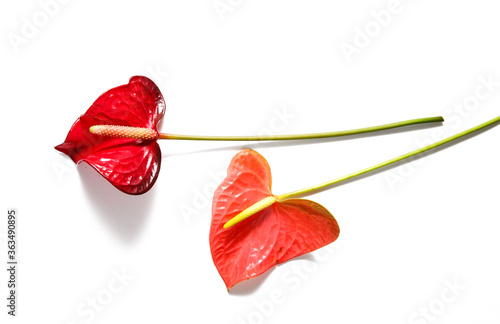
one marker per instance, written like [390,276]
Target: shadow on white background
[125,214]
[248,287]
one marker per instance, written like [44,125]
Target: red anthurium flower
[117,135]
[129,158]
[278,233]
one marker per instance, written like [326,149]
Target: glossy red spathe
[131,165]
[283,231]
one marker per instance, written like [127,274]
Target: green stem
[303,136]
[391,161]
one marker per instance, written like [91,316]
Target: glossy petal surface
[131,165]
[274,235]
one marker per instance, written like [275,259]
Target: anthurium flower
[132,163]
[253,230]
[118,135]
[273,235]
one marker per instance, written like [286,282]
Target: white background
[407,234]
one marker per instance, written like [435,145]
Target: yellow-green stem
[303,136]
[266,202]
[391,161]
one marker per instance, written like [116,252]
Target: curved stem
[391,161]
[303,136]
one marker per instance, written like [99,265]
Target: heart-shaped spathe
[131,165]
[285,230]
